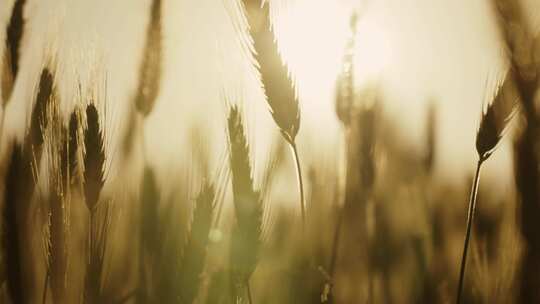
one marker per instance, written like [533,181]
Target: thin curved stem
[248,287]
[335,242]
[334,254]
[470,216]
[45,289]
[3,117]
[337,233]
[294,150]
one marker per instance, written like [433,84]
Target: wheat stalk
[94,158]
[279,88]
[146,94]
[493,124]
[73,144]
[149,199]
[193,258]
[246,235]
[99,222]
[344,99]
[344,102]
[20,187]
[431,128]
[18,177]
[150,70]
[345,109]
[131,129]
[58,202]
[6,81]
[521,43]
[38,119]
[43,112]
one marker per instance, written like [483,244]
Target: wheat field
[252,151]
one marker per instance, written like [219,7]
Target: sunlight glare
[373,51]
[312,37]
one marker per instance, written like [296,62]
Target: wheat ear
[150,70]
[99,222]
[493,124]
[94,158]
[246,235]
[38,120]
[279,88]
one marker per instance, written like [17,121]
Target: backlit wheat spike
[94,158]
[240,164]
[277,82]
[194,255]
[99,222]
[493,124]
[150,70]
[246,235]
[38,119]
[278,86]
[494,120]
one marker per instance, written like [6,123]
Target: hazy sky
[414,49]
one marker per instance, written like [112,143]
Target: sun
[312,36]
